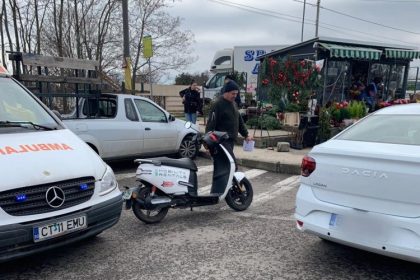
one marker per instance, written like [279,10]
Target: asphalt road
[211,243]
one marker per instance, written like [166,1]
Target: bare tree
[171,45]
[92,29]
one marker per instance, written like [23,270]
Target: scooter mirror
[187,125]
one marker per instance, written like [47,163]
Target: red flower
[272,62]
[265,82]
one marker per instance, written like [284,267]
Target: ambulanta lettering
[65,147]
[32,148]
[43,147]
[9,150]
[23,149]
[54,147]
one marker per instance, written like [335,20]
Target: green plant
[345,113]
[292,107]
[324,130]
[269,122]
[273,111]
[357,109]
[207,107]
[252,122]
[264,122]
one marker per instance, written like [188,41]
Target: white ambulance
[54,189]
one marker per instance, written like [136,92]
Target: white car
[361,188]
[118,126]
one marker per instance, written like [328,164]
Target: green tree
[187,78]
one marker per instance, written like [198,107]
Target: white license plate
[56,229]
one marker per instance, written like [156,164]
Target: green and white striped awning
[402,54]
[343,51]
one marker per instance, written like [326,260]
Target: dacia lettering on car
[55,189]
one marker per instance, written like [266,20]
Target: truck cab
[222,65]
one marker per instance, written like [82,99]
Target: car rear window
[393,129]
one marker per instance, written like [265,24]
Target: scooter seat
[185,163]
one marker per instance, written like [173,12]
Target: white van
[54,188]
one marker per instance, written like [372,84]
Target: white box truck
[241,59]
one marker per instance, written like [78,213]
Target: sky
[219,24]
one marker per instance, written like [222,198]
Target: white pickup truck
[126,126]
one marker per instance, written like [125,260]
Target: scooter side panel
[166,178]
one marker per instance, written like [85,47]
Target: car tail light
[299,223]
[308,166]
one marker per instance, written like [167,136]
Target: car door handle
[147,128]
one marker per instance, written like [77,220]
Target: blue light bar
[20,197]
[83,187]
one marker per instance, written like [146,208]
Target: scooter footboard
[239,176]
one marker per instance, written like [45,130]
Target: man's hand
[248,138]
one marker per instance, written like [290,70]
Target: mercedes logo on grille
[55,197]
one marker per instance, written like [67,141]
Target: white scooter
[172,183]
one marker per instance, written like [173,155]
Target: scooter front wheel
[240,195]
[148,216]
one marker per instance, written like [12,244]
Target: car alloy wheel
[188,149]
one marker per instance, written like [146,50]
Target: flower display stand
[291,118]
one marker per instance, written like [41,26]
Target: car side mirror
[171,118]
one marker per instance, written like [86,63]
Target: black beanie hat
[230,86]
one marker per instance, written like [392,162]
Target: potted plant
[357,109]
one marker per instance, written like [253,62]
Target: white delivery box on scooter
[54,188]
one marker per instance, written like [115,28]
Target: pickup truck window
[130,111]
[103,108]
[149,112]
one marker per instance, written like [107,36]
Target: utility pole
[318,3]
[303,20]
[126,38]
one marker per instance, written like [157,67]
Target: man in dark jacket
[238,96]
[191,100]
[224,116]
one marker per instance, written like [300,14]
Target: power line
[361,19]
[392,1]
[237,5]
[278,15]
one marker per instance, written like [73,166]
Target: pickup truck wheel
[188,149]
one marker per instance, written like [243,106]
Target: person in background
[372,92]
[191,100]
[364,96]
[224,116]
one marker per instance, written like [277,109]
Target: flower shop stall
[332,73]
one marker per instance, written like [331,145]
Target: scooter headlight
[108,182]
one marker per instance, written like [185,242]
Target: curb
[293,169]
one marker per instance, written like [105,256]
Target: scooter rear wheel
[148,216]
[240,195]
